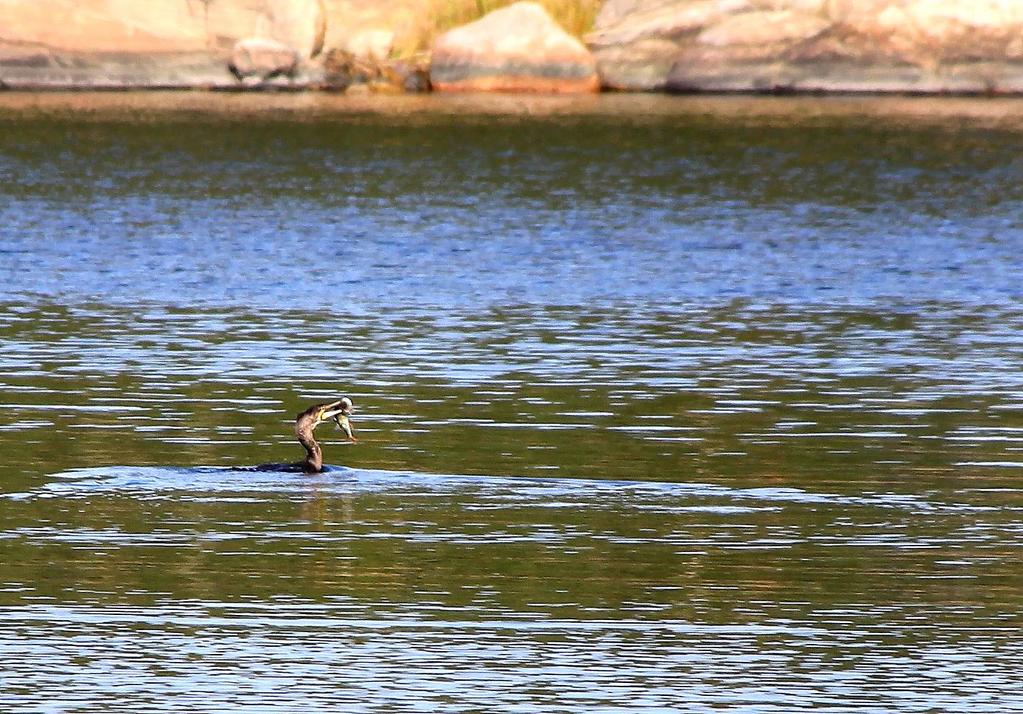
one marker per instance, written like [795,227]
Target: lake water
[664,404]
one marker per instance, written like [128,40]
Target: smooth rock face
[150,43]
[518,48]
[811,45]
[104,26]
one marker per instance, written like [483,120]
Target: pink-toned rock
[763,28]
[262,59]
[620,22]
[144,43]
[635,42]
[518,48]
[811,45]
[749,38]
[111,26]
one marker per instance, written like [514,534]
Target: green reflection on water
[677,558]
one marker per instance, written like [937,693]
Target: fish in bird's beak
[344,425]
[339,411]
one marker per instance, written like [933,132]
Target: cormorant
[311,418]
[305,422]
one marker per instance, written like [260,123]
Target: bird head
[332,410]
[339,412]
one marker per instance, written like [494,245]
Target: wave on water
[169,482]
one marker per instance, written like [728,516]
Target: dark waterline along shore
[949,112]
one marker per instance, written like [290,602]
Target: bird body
[305,423]
[311,418]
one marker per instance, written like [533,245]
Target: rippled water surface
[664,404]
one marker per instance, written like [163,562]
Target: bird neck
[313,454]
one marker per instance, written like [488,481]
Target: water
[665,404]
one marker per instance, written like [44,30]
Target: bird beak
[332,411]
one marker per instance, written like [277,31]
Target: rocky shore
[902,46]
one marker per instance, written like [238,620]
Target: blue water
[366,212]
[663,404]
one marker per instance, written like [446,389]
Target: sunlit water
[663,404]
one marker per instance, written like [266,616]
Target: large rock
[635,42]
[155,43]
[811,45]
[88,26]
[518,48]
